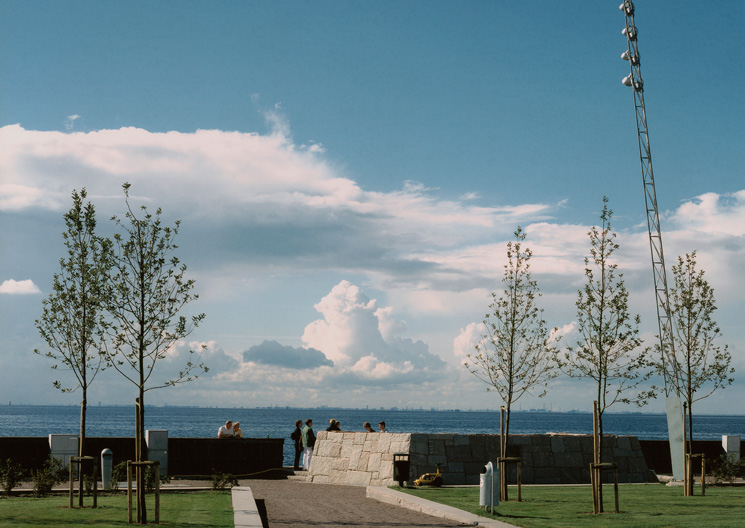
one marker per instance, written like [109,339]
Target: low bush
[52,473]
[727,468]
[11,473]
[222,481]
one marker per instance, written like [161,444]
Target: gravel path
[297,504]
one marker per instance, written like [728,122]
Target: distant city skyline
[348,175]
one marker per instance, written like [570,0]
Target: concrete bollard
[107,462]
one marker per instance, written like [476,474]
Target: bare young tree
[515,354]
[148,289]
[699,366]
[610,350]
[72,322]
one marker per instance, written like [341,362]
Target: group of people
[230,430]
[305,439]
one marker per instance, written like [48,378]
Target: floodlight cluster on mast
[634,80]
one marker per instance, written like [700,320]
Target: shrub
[118,474]
[52,473]
[150,479]
[221,481]
[11,473]
[727,468]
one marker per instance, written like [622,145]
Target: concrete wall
[367,458]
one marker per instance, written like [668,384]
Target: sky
[348,174]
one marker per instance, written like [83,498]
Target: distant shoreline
[371,409]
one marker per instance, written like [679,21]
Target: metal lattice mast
[634,80]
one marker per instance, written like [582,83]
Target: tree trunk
[83,411]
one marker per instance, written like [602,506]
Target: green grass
[642,506]
[176,510]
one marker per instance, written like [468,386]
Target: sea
[278,422]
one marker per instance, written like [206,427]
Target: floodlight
[628,80]
[629,32]
[627,7]
[627,56]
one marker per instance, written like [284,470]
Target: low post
[129,490]
[519,480]
[689,473]
[157,492]
[139,466]
[81,479]
[615,486]
[594,491]
[502,465]
[71,486]
[596,476]
[703,474]
[95,483]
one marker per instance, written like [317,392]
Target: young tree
[609,348]
[72,321]
[698,367]
[148,289]
[515,353]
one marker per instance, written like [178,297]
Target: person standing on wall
[309,440]
[297,439]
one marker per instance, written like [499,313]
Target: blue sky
[347,175]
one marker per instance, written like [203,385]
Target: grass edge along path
[204,509]
[641,505]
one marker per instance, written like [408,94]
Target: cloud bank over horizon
[282,226]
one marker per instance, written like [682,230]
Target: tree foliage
[73,319]
[698,366]
[610,350]
[514,355]
[148,289]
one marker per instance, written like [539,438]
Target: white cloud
[360,339]
[70,122]
[465,343]
[14,287]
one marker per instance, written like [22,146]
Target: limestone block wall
[365,459]
[356,459]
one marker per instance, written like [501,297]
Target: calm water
[192,422]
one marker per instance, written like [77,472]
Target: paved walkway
[296,504]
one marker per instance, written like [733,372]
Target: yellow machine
[430,479]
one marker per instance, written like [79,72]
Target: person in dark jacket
[297,439]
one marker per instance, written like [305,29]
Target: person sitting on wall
[333,425]
[368,427]
[237,431]
[381,426]
[226,431]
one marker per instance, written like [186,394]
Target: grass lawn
[213,508]
[642,506]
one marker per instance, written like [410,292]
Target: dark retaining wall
[657,454]
[190,457]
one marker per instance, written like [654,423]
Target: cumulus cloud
[274,353]
[360,339]
[465,342]
[14,287]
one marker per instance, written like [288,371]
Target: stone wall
[356,459]
[365,459]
